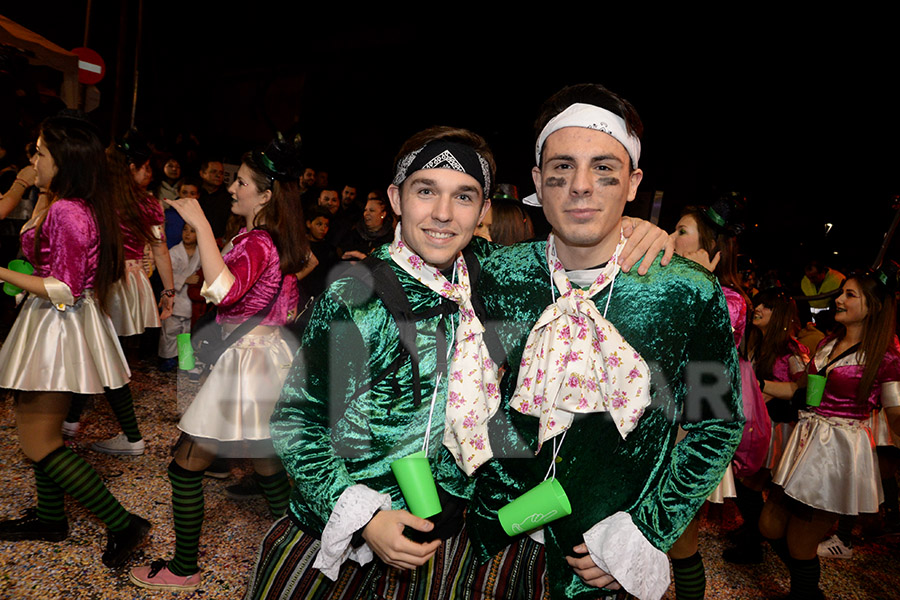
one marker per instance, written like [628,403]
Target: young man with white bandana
[354,402]
[603,367]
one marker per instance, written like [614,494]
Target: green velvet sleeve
[331,365]
[713,420]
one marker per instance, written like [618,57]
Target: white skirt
[132,306]
[829,463]
[75,350]
[237,399]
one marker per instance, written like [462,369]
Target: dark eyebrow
[598,158]
[469,188]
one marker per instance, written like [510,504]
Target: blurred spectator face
[188,190]
[142,174]
[329,199]
[484,228]
[321,179]
[374,215]
[815,276]
[172,169]
[308,179]
[318,228]
[188,235]
[348,195]
[214,174]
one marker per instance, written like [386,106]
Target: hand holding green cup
[19,266]
[540,505]
[815,387]
[416,481]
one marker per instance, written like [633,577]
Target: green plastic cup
[185,352]
[19,266]
[413,473]
[540,505]
[815,387]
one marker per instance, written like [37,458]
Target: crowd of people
[337,335]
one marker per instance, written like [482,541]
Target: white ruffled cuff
[890,394]
[216,292]
[354,509]
[59,293]
[619,548]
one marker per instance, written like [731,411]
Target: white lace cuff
[620,549]
[216,292]
[354,509]
[59,293]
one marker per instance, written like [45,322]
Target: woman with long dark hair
[63,343]
[708,236]
[829,467]
[779,362]
[254,278]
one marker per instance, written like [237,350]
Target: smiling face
[246,199]
[439,209]
[328,199]
[851,305]
[44,165]
[584,183]
[687,236]
[762,315]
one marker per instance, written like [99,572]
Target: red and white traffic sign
[91,67]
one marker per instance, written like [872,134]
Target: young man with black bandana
[358,398]
[603,367]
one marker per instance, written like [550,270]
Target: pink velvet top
[737,313]
[785,369]
[70,245]
[151,215]
[839,398]
[254,263]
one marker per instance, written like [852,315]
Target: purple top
[70,245]
[151,215]
[737,313]
[784,370]
[839,398]
[254,263]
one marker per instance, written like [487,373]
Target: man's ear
[393,193]
[536,177]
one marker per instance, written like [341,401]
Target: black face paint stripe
[607,181]
[555,182]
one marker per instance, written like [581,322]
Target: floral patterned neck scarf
[473,396]
[575,361]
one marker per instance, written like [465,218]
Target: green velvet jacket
[339,420]
[677,319]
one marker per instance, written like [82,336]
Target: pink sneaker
[158,577]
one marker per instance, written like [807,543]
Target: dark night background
[797,111]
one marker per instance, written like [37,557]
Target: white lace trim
[216,292]
[620,549]
[354,509]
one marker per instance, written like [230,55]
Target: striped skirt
[284,571]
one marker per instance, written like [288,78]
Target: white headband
[589,117]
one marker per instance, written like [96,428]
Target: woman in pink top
[232,409]
[62,341]
[132,305]
[829,466]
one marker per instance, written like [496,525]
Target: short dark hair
[589,93]
[314,212]
[450,134]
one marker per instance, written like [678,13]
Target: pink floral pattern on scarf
[575,361]
[473,395]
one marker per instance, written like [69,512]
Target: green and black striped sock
[690,577]
[51,499]
[277,490]
[187,512]
[804,578]
[71,473]
[122,404]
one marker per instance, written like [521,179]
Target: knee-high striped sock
[123,406]
[690,577]
[187,512]
[51,499]
[804,578]
[71,473]
[277,490]
[76,407]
